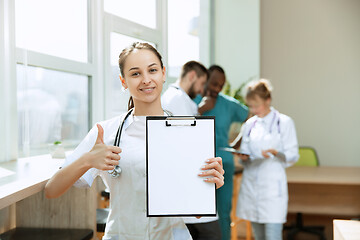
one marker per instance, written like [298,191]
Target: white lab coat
[127,218]
[178,102]
[263,194]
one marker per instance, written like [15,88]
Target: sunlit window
[57,28]
[139,11]
[52,106]
[183,33]
[61,51]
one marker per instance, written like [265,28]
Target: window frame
[206,26]
[100,26]
[8,100]
[15,55]
[119,25]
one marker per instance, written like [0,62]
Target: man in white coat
[178,99]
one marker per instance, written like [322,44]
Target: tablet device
[232,150]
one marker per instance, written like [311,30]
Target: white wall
[310,50]
[236,39]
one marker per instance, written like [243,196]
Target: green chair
[308,157]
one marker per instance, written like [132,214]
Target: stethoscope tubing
[117,170]
[272,122]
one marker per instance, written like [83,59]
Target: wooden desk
[346,230]
[25,177]
[23,203]
[324,190]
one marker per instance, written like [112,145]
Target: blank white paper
[175,156]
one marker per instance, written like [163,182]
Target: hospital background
[59,76]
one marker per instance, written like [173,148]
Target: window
[135,22]
[57,28]
[140,11]
[53,74]
[59,59]
[183,34]
[52,106]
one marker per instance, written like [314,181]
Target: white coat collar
[177,86]
[268,118]
[131,119]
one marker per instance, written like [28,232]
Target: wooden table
[25,177]
[23,203]
[346,230]
[324,190]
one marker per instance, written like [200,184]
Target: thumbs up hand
[101,156]
[100,137]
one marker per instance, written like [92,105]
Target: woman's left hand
[271,150]
[214,169]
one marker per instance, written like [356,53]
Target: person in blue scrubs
[226,111]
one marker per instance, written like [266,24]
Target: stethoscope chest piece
[116,172]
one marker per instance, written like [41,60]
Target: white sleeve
[290,153]
[85,146]
[174,105]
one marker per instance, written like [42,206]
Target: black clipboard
[176,149]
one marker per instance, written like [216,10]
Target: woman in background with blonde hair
[269,145]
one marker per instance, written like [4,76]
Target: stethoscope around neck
[272,122]
[117,170]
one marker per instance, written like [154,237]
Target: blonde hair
[261,88]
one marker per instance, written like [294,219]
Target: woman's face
[143,76]
[258,106]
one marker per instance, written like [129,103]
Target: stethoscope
[117,170]
[272,122]
[174,86]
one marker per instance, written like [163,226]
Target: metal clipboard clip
[178,121]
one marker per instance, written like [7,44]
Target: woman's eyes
[135,74]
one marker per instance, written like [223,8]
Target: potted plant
[57,150]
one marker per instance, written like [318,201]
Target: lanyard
[272,122]
[117,170]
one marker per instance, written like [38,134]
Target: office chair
[308,157]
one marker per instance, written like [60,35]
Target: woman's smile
[147,89]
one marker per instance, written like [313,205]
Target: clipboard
[176,149]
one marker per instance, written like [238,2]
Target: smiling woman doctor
[143,74]
[268,146]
